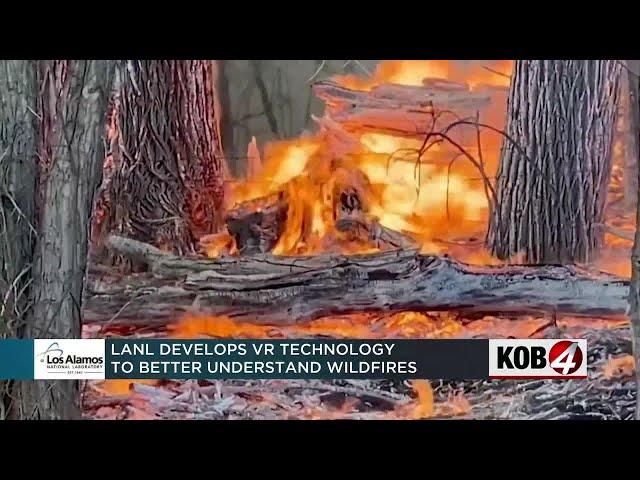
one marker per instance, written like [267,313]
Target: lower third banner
[291,359]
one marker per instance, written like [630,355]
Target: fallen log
[282,290]
[402,110]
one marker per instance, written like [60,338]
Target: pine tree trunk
[71,110]
[167,184]
[552,185]
[18,149]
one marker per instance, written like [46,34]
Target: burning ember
[618,367]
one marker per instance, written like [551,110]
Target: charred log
[279,290]
[256,225]
[351,217]
[366,229]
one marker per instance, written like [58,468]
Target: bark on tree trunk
[632,125]
[226,116]
[167,188]
[18,148]
[97,251]
[71,112]
[552,185]
[634,287]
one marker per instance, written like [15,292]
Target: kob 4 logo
[537,358]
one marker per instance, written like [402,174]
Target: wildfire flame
[619,367]
[360,325]
[426,200]
[424,407]
[413,72]
[432,197]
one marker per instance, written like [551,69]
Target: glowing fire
[424,406]
[122,387]
[619,367]
[360,325]
[434,197]
[439,199]
[428,200]
[413,72]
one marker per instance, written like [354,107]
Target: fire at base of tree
[273,199]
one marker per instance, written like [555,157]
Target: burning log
[256,225]
[400,109]
[366,229]
[351,217]
[282,290]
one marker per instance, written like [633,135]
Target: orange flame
[433,195]
[428,201]
[619,367]
[123,387]
[358,325]
[439,198]
[413,72]
[423,407]
[191,326]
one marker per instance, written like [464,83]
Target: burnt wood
[266,289]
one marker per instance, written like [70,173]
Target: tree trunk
[71,112]
[634,287]
[167,188]
[552,183]
[226,117]
[97,251]
[18,149]
[631,145]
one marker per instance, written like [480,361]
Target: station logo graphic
[69,359]
[565,357]
[562,358]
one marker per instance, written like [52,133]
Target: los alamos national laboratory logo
[69,359]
